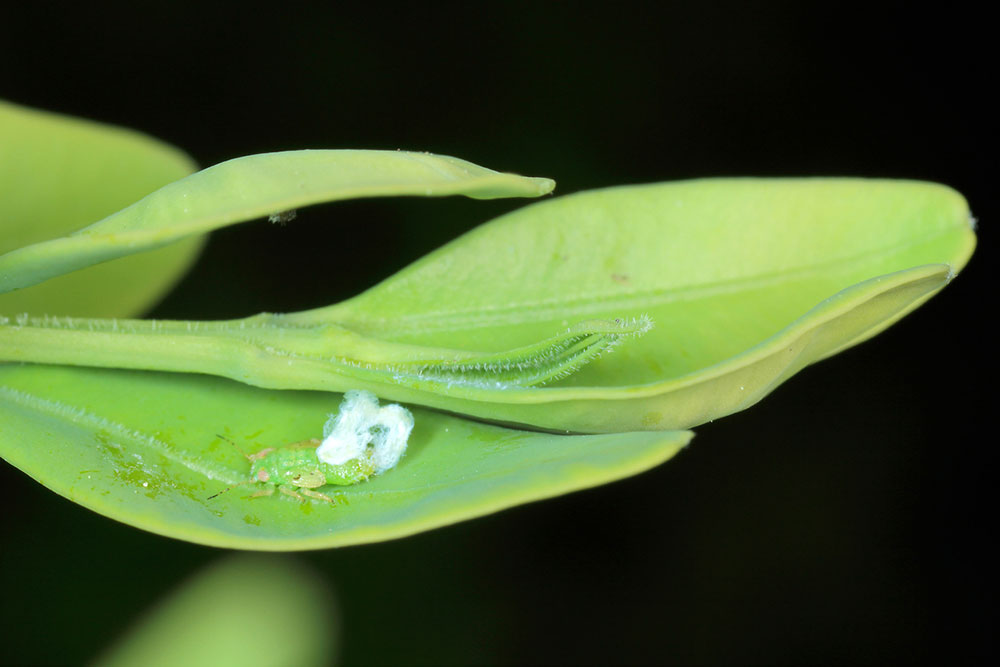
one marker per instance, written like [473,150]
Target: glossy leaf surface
[58,174]
[142,448]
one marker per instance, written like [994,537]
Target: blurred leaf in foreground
[248,610]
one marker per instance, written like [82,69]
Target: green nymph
[361,440]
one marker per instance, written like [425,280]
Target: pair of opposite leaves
[745,281]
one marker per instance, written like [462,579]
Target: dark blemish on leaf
[620,278]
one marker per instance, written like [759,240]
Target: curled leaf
[142,448]
[256,186]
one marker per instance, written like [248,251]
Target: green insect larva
[361,440]
[294,470]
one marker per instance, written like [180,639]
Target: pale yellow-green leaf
[59,173]
[271,184]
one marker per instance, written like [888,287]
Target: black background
[845,519]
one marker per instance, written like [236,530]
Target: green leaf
[745,280]
[272,184]
[216,619]
[142,448]
[59,173]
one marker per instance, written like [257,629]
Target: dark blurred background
[845,519]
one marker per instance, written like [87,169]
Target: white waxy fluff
[360,423]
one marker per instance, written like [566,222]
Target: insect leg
[288,492]
[263,492]
[316,494]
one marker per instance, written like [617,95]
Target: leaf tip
[544,186]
